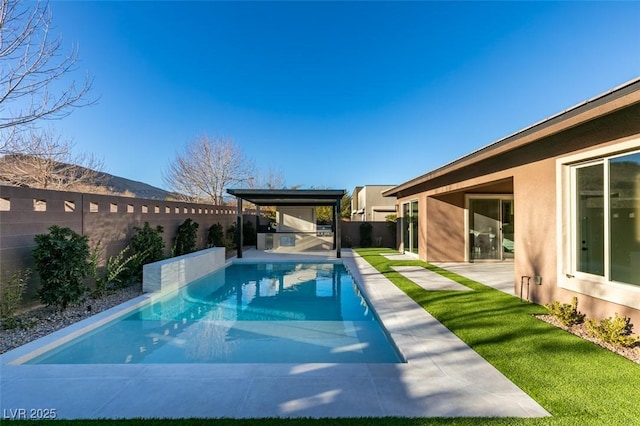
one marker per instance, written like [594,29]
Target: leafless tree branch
[271,179]
[43,159]
[33,65]
[206,168]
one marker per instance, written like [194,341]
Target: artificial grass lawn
[578,382]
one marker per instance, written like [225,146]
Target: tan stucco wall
[445,237]
[295,219]
[529,173]
[535,226]
[370,199]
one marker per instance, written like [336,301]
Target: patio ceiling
[289,197]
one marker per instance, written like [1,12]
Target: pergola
[290,197]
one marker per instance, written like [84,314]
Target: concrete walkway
[498,275]
[442,376]
[429,280]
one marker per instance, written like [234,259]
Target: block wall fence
[109,221]
[381,234]
[106,219]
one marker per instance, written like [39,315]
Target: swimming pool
[243,313]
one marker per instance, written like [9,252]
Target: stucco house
[369,205]
[560,199]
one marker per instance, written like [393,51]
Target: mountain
[34,172]
[120,185]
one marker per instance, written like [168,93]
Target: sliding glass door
[491,228]
[410,226]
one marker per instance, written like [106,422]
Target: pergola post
[257,224]
[239,228]
[338,221]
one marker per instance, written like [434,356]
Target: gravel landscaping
[40,321]
[580,330]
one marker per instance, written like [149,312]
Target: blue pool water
[244,313]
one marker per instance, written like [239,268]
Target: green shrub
[392,223]
[365,234]
[566,313]
[230,237]
[118,272]
[186,238]
[62,260]
[13,288]
[147,246]
[616,331]
[249,234]
[215,236]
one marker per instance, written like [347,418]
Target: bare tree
[33,64]
[271,179]
[206,168]
[43,159]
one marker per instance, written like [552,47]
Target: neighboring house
[368,203]
[560,199]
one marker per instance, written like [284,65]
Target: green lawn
[578,382]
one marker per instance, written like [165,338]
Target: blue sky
[334,94]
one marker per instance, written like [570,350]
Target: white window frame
[467,225]
[569,278]
[404,247]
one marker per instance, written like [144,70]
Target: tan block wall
[350,233]
[109,220]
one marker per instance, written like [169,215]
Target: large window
[605,219]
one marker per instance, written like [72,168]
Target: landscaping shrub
[13,288]
[186,237]
[118,272]
[230,237]
[62,260]
[248,234]
[147,246]
[365,234]
[392,223]
[215,236]
[616,331]
[566,313]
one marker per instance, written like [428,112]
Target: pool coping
[443,377]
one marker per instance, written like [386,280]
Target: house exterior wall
[445,239]
[531,174]
[369,205]
[535,228]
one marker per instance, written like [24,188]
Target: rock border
[580,330]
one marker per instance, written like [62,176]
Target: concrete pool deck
[443,377]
